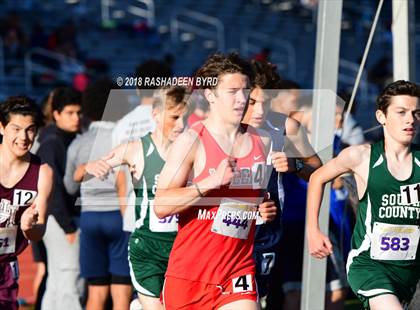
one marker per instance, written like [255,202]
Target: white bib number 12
[23,197]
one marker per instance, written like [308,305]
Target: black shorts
[264,263]
[39,252]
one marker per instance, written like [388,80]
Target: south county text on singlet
[147,223]
[216,236]
[388,216]
[13,202]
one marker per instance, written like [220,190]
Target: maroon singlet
[13,202]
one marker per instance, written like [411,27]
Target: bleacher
[285,26]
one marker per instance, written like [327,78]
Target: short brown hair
[265,75]
[397,88]
[64,96]
[219,64]
[20,105]
[170,97]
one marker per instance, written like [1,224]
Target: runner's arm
[121,188]
[71,165]
[296,145]
[124,154]
[34,219]
[347,161]
[311,160]
[172,195]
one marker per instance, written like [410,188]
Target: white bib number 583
[394,242]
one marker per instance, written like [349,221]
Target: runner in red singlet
[25,186]
[211,264]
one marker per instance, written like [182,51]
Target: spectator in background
[64,39]
[48,118]
[38,248]
[64,288]
[199,107]
[11,21]
[103,244]
[133,126]
[347,130]
[151,242]
[286,101]
[309,4]
[263,55]
[13,45]
[38,36]
[169,60]
[14,41]
[81,81]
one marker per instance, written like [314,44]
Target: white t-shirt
[131,127]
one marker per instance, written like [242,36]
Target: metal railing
[147,12]
[178,22]
[252,42]
[33,67]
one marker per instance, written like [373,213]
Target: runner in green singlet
[383,266]
[152,239]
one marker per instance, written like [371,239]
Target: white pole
[324,102]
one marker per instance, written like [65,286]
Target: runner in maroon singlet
[25,186]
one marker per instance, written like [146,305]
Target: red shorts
[186,294]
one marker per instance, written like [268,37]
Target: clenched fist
[281,163]
[225,172]
[267,209]
[100,168]
[319,244]
[29,218]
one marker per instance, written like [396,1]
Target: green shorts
[370,278]
[148,260]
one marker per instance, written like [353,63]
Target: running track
[27,271]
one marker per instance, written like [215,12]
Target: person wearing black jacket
[64,286]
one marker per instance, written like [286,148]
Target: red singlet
[212,245]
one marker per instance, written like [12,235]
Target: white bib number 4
[242,284]
[167,224]
[8,239]
[394,242]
